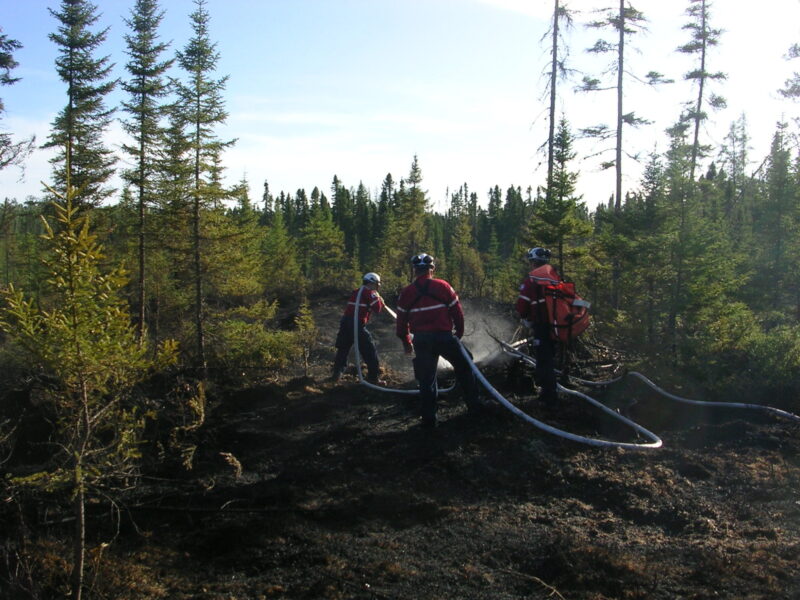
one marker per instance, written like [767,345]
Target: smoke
[484,324]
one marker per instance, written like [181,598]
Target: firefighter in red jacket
[532,309]
[430,310]
[371,302]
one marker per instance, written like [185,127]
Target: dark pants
[366,347]
[428,347]
[545,353]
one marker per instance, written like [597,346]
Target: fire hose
[654,443]
[361,379]
[511,349]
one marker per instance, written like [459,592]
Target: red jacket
[531,301]
[428,304]
[371,302]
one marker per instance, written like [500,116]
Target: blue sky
[356,88]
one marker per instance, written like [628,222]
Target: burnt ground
[329,491]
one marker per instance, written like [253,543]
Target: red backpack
[568,312]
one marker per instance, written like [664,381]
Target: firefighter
[532,309]
[371,302]
[430,310]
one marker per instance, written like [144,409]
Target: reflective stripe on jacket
[371,302]
[531,301]
[437,308]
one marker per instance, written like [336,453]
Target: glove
[526,323]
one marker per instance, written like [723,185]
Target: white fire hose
[361,379]
[512,349]
[655,443]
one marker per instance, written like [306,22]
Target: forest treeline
[698,267]
[699,263]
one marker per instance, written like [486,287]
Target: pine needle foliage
[81,342]
[306,334]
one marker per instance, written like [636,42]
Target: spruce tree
[513,223]
[235,264]
[363,221]
[344,213]
[77,132]
[647,271]
[464,265]
[556,217]
[80,343]
[409,230]
[201,107]
[282,274]
[558,70]
[625,21]
[703,38]
[325,262]
[776,219]
[146,89]
[11,153]
[734,160]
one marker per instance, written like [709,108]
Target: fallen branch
[553,591]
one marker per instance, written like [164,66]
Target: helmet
[540,254]
[371,278]
[422,261]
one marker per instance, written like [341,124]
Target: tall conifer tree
[558,69]
[282,274]
[325,261]
[11,153]
[408,227]
[146,89]
[703,38]
[625,21]
[556,217]
[202,108]
[77,134]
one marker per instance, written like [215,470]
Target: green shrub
[243,344]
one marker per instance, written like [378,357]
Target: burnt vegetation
[168,429]
[295,487]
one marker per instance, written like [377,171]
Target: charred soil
[304,488]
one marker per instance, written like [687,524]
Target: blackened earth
[302,488]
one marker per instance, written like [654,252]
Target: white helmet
[540,254]
[422,261]
[371,278]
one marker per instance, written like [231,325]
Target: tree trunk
[140,329]
[79,543]
[672,324]
[699,104]
[553,80]
[650,310]
[620,74]
[198,284]
[198,272]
